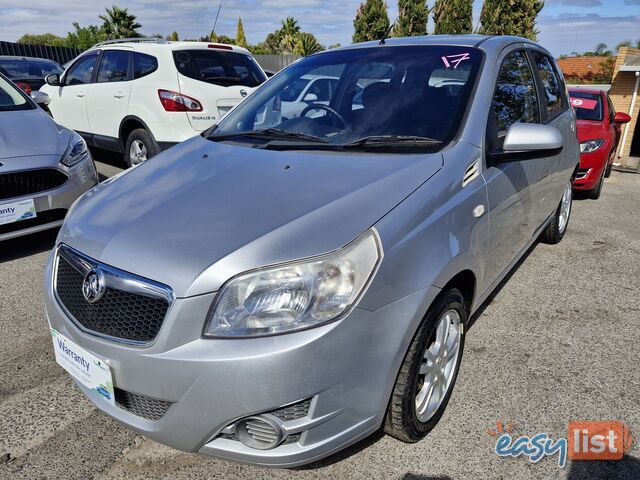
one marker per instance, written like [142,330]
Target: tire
[554,232]
[140,140]
[403,419]
[607,171]
[595,193]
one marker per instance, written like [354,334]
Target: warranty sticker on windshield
[85,367]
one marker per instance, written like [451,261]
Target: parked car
[599,132]
[307,90]
[28,73]
[143,96]
[39,180]
[274,295]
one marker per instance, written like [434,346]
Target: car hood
[28,133]
[203,212]
[590,130]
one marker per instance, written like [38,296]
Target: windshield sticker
[455,60]
[584,103]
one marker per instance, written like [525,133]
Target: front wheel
[429,370]
[140,147]
[554,232]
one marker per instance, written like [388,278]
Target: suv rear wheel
[140,147]
[429,370]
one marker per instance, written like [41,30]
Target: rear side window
[515,97]
[114,66]
[551,84]
[81,71]
[219,67]
[143,65]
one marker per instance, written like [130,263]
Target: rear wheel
[140,147]
[554,232]
[429,370]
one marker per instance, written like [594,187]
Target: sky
[565,25]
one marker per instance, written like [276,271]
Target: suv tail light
[24,86]
[177,102]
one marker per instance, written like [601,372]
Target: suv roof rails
[131,40]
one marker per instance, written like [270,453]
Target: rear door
[69,100]
[218,78]
[108,99]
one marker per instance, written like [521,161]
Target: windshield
[411,95]
[20,68]
[219,67]
[11,98]
[588,106]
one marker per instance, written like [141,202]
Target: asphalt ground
[558,342]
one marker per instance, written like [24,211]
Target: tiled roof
[582,67]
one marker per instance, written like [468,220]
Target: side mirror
[621,118]
[40,98]
[52,79]
[310,97]
[525,141]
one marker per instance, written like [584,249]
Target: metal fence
[275,63]
[59,54]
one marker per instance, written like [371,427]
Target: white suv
[142,96]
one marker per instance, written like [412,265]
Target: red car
[599,130]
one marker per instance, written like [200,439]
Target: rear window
[20,68]
[220,68]
[588,106]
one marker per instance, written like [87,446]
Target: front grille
[118,314]
[28,182]
[293,412]
[141,405]
[42,218]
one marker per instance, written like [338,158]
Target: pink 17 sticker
[455,60]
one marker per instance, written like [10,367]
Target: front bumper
[52,205]
[590,169]
[347,369]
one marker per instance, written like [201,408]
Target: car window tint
[321,89]
[14,68]
[82,70]
[114,66]
[588,106]
[224,68]
[143,65]
[550,82]
[515,98]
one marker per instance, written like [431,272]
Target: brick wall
[621,92]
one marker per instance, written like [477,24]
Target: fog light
[261,431]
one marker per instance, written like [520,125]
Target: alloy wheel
[137,152]
[565,208]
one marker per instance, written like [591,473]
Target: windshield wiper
[390,141]
[268,134]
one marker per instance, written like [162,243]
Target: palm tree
[119,24]
[289,33]
[306,45]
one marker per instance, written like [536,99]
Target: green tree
[307,44]
[84,37]
[453,16]
[118,23]
[289,34]
[510,17]
[219,39]
[412,18]
[602,50]
[47,39]
[371,22]
[241,39]
[174,37]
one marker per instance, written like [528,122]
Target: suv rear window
[220,68]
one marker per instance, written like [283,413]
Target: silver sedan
[44,167]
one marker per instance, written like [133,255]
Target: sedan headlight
[296,295]
[590,146]
[76,151]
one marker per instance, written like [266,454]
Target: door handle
[80,94]
[118,95]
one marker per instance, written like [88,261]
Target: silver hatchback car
[278,288]
[44,167]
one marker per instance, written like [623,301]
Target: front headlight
[76,151]
[297,295]
[590,146]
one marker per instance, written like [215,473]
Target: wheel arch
[128,125]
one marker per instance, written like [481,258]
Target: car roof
[16,57]
[594,91]
[151,45]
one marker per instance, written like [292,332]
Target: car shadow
[28,245]
[107,157]
[628,467]
[344,454]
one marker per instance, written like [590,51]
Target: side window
[612,110]
[514,99]
[551,84]
[114,66]
[80,73]
[321,89]
[143,65]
